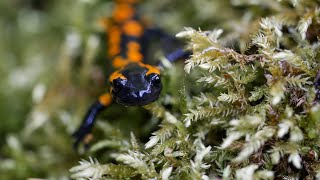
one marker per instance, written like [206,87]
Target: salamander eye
[118,84]
[155,79]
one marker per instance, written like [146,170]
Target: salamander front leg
[176,55]
[83,134]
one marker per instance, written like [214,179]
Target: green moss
[243,106]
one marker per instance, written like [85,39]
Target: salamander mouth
[136,88]
[136,101]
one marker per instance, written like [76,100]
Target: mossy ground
[243,105]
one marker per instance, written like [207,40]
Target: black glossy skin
[138,88]
[87,124]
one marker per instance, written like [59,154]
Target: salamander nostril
[155,79]
[118,84]
[156,82]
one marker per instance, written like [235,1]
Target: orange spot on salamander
[133,46]
[113,50]
[114,40]
[134,56]
[133,28]
[105,99]
[123,12]
[119,62]
[133,52]
[88,138]
[114,35]
[151,69]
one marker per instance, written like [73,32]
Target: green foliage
[243,108]
[263,101]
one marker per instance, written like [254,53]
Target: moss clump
[255,115]
[244,107]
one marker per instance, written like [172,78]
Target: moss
[243,106]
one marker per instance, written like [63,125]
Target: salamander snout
[136,89]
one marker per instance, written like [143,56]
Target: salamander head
[136,84]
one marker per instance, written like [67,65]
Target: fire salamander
[133,83]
